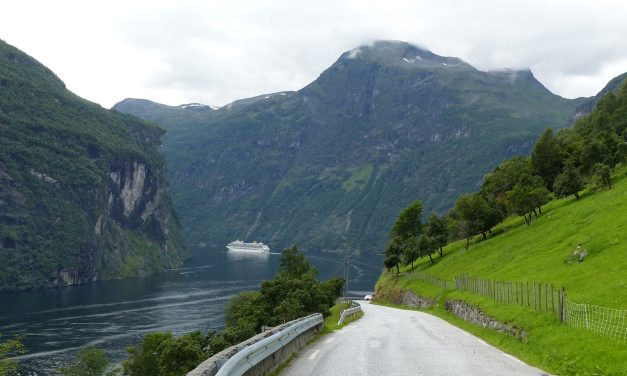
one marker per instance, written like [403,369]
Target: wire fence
[430,279]
[609,322]
[541,297]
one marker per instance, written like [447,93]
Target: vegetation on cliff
[82,189]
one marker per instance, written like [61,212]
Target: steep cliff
[83,195]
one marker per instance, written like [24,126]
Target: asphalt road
[388,341]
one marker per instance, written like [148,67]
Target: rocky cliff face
[83,195]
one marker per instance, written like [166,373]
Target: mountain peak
[391,52]
[386,49]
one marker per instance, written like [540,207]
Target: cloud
[219,51]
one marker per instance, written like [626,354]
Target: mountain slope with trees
[329,166]
[83,195]
[569,233]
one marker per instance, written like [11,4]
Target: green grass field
[540,252]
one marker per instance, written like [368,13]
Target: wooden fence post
[552,301]
[564,305]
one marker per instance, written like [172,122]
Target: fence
[429,279]
[541,297]
[264,352]
[609,322]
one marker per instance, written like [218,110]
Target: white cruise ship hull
[247,250]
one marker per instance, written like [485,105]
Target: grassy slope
[538,252]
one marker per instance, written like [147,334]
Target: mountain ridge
[330,165]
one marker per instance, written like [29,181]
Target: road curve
[389,341]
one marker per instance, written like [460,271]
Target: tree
[8,349]
[90,361]
[546,160]
[504,177]
[519,201]
[527,195]
[426,246]
[181,355]
[569,182]
[246,309]
[437,229]
[408,223]
[293,263]
[144,359]
[393,253]
[411,251]
[479,216]
[603,175]
[161,354]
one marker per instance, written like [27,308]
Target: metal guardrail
[348,312]
[252,355]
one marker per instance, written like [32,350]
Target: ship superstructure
[240,246]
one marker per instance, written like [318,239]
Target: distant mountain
[83,195]
[330,166]
[611,87]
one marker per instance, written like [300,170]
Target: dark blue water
[112,315]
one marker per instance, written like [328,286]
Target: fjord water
[112,315]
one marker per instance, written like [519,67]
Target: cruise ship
[240,246]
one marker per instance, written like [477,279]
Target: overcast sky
[214,52]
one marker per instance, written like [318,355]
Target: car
[368,297]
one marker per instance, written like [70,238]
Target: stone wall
[408,298]
[475,315]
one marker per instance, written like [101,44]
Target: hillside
[83,195]
[330,166]
[549,288]
[542,252]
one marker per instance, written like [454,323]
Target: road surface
[389,341]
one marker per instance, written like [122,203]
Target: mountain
[330,166]
[612,87]
[83,194]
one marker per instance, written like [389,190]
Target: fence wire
[429,279]
[609,322]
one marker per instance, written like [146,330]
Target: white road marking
[314,355]
[513,358]
[329,340]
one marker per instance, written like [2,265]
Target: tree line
[560,165]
